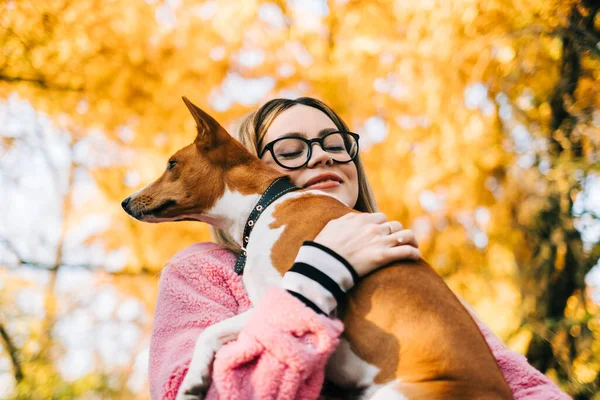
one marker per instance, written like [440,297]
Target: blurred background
[480,130]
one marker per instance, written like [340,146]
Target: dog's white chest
[259,273]
[344,367]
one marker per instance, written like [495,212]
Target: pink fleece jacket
[282,351]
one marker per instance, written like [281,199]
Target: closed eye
[291,154]
[171,164]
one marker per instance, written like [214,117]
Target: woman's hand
[320,279]
[369,241]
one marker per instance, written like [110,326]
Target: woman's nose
[319,156]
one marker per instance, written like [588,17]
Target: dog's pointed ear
[208,127]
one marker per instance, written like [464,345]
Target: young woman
[283,349]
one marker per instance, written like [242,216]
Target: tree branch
[21,261]
[144,271]
[39,82]
[12,352]
[588,43]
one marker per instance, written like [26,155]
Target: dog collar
[276,189]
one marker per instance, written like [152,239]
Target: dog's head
[198,176]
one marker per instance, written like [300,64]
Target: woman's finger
[406,237]
[405,252]
[390,227]
[374,218]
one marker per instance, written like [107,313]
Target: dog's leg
[389,391]
[197,380]
[348,370]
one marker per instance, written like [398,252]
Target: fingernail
[400,239]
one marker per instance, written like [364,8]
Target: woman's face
[321,172]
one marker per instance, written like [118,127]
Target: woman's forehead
[301,119]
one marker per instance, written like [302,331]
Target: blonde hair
[251,130]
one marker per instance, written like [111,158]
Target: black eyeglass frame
[309,142]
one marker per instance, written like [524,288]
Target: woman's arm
[190,298]
[283,348]
[280,353]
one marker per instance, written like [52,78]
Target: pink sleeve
[524,381]
[280,354]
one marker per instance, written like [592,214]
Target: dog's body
[406,334]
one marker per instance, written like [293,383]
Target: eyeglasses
[295,152]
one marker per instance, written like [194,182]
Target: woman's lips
[324,185]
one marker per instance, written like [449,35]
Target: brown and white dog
[407,336]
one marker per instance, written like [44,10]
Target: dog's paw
[197,392]
[193,389]
[197,380]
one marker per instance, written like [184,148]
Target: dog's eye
[171,164]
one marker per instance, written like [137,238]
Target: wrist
[319,277]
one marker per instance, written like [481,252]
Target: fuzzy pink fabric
[282,351]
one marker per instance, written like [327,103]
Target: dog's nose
[125,202]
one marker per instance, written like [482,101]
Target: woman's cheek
[353,174]
[294,176]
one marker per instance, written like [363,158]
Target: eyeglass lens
[293,152]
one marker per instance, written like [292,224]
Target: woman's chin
[336,192]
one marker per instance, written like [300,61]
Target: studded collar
[276,189]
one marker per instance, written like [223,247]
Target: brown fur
[213,162]
[402,318]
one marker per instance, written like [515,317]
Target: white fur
[232,210]
[344,367]
[388,391]
[259,272]
[209,341]
[229,212]
[138,192]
